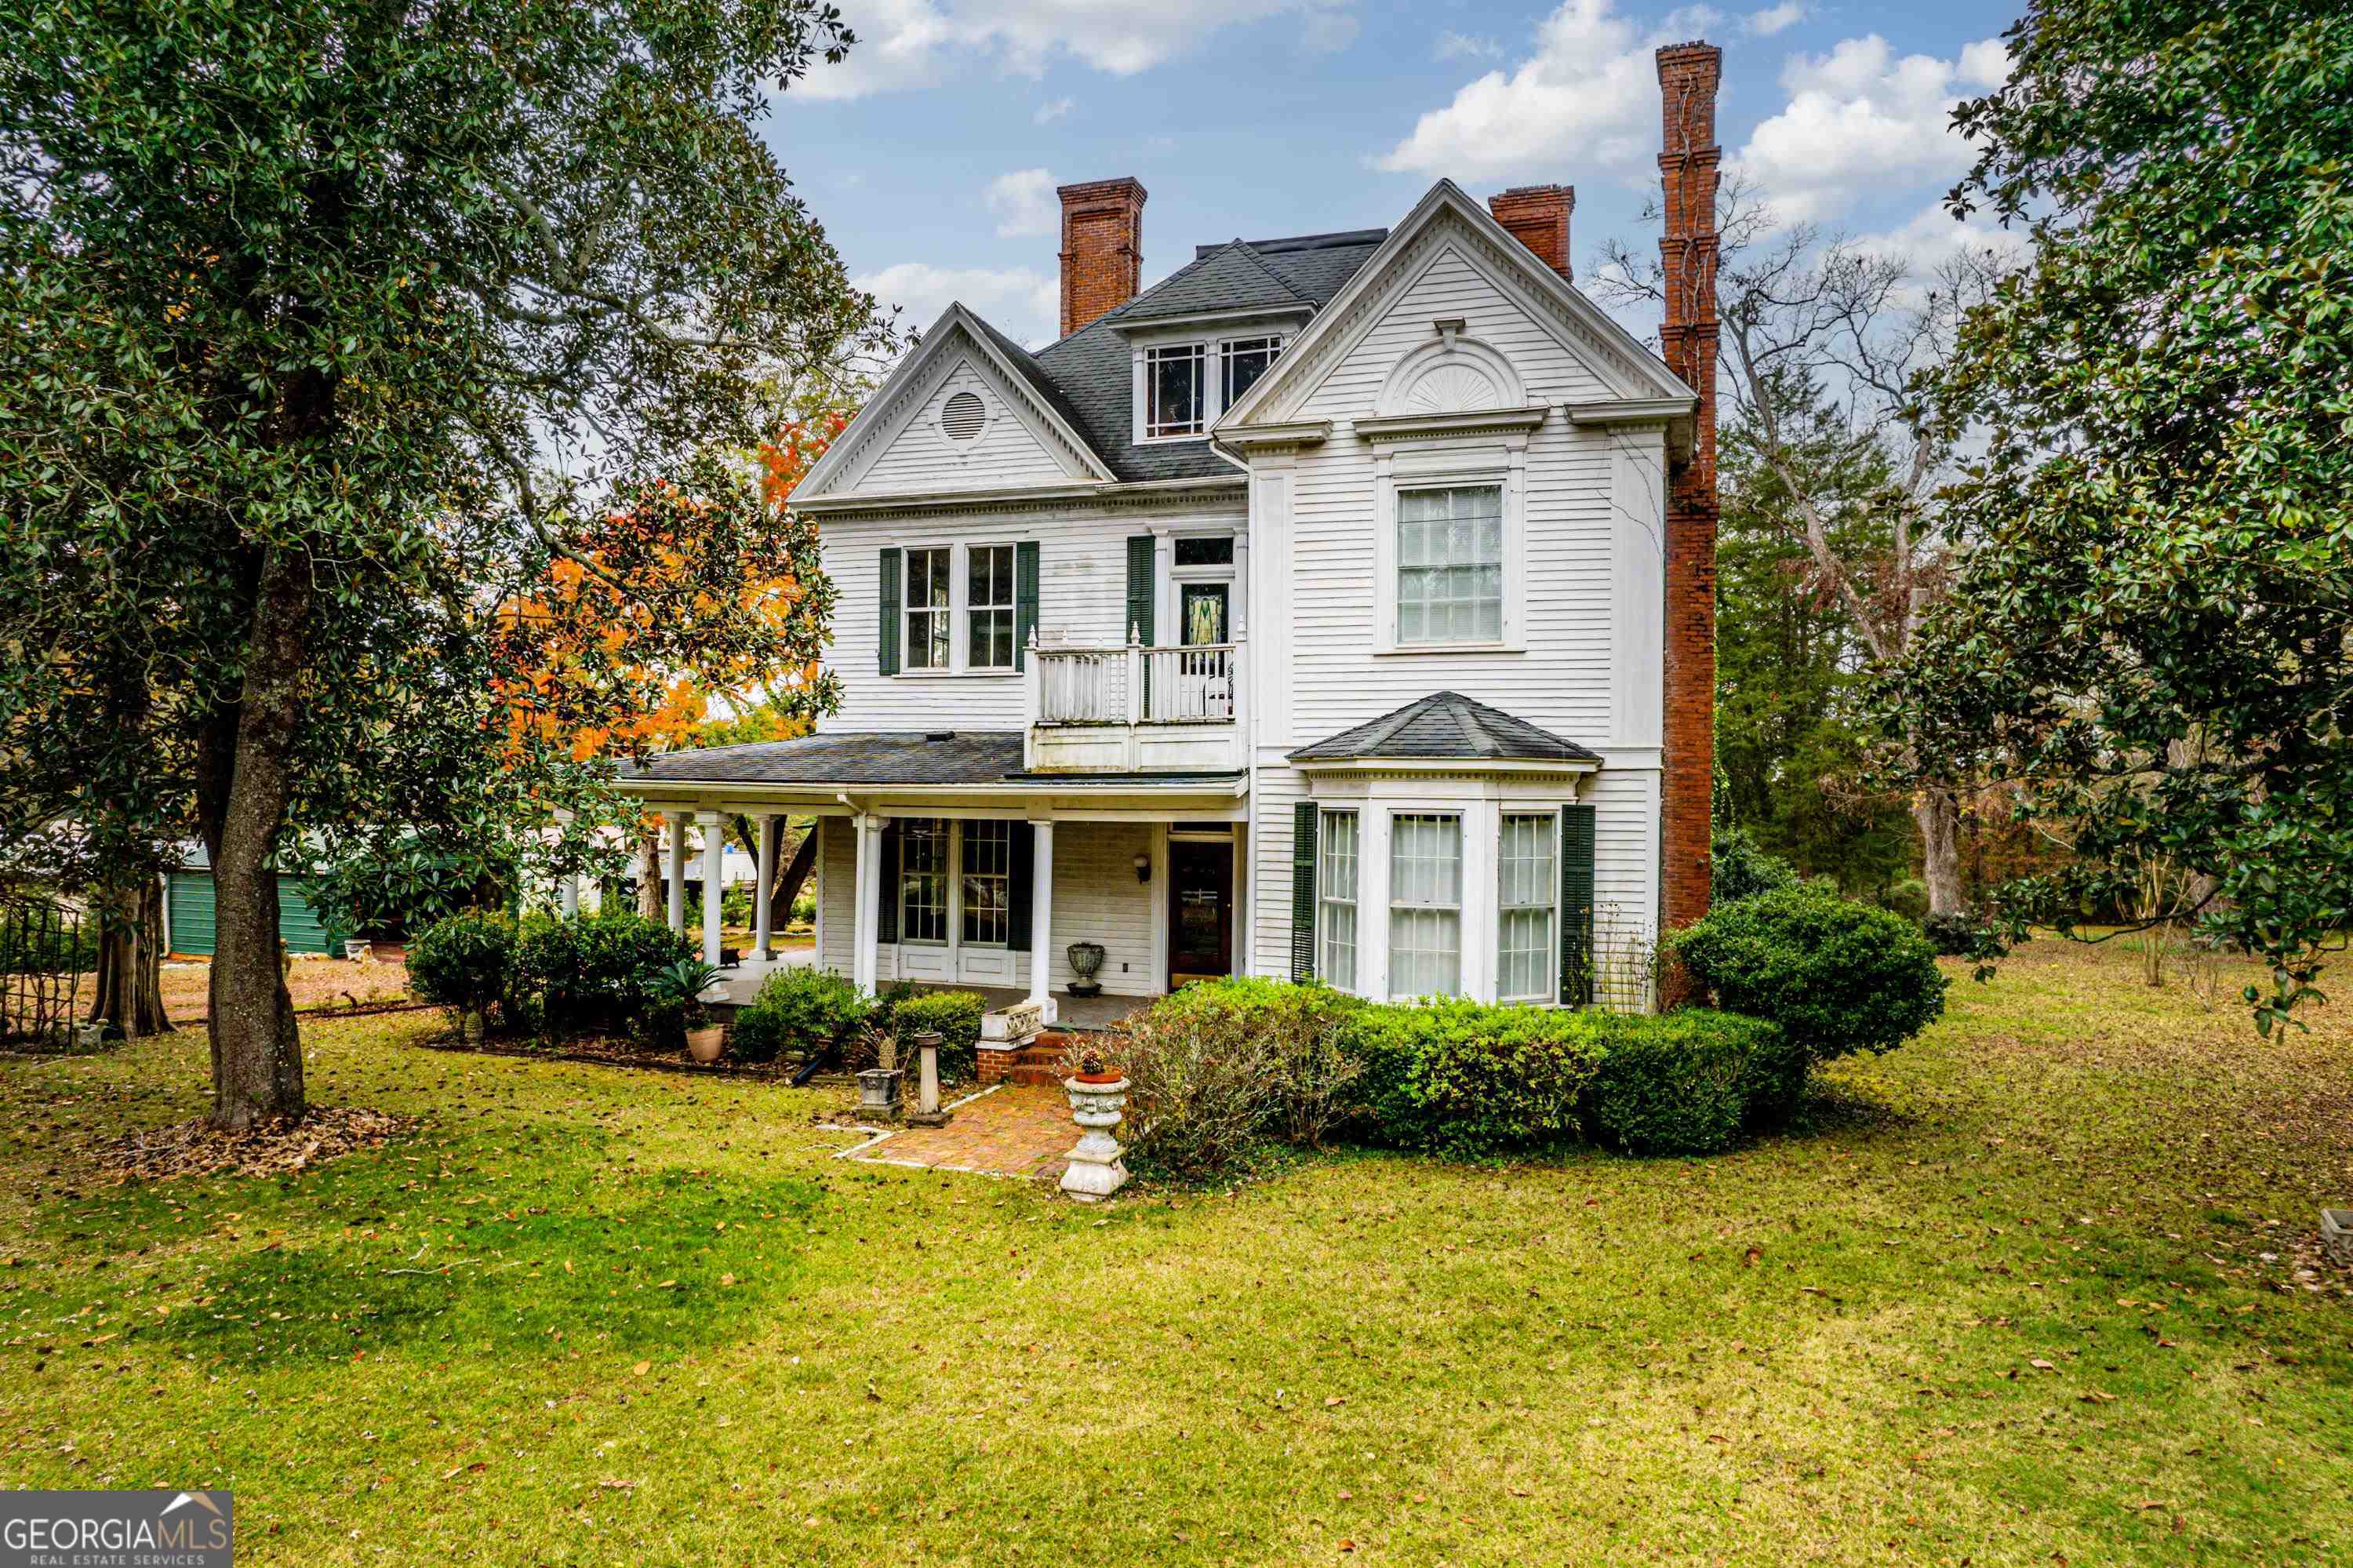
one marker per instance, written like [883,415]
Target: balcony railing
[1161,707]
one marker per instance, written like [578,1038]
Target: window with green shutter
[887,644]
[1577,954]
[1303,891]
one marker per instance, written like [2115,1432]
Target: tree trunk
[257,1055]
[650,874]
[1938,817]
[130,962]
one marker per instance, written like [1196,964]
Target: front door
[1200,911]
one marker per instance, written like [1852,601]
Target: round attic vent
[962,415]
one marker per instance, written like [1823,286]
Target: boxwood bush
[1464,1079]
[1688,1082]
[603,974]
[955,1016]
[466,963]
[800,1011]
[1840,977]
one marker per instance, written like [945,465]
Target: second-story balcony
[1136,709]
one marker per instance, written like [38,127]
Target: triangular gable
[1442,218]
[963,350]
[1230,277]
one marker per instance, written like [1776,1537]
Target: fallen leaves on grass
[198,1148]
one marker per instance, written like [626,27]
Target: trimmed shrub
[466,962]
[603,974]
[800,1011]
[956,1015]
[1688,1082]
[1222,1067]
[1908,898]
[1739,869]
[1840,977]
[1467,1079]
[1963,934]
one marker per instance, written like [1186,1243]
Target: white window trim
[959,665]
[1355,899]
[953,942]
[1550,993]
[1213,346]
[1488,461]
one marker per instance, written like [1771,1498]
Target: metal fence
[44,954]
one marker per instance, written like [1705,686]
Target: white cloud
[1054,110]
[1020,302]
[914,43]
[1934,237]
[1860,119]
[1453,46]
[1587,100]
[1774,19]
[1024,202]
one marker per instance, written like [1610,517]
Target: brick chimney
[1537,216]
[1102,248]
[1688,75]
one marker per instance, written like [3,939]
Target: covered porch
[940,861]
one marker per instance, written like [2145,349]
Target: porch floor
[1016,1129]
[742,982]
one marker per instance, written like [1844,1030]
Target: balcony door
[1205,680]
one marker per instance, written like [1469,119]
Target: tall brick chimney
[1688,75]
[1537,216]
[1102,248]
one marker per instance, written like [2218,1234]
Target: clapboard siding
[190,899]
[922,456]
[1082,589]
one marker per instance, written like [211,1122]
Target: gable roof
[1615,354]
[1446,726]
[1094,366]
[1229,277]
[1014,364]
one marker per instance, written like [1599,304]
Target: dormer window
[1183,386]
[1176,390]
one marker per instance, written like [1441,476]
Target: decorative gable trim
[917,380]
[1446,219]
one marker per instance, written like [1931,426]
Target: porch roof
[918,758]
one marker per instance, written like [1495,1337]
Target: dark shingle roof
[888,756]
[1446,726]
[891,757]
[1093,368]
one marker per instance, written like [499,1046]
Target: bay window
[1527,883]
[1335,885]
[1425,904]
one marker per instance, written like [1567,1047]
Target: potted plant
[684,984]
[1086,959]
[1098,1096]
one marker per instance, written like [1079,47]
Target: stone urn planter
[1086,962]
[878,1093]
[2336,1236]
[707,1045]
[1097,1104]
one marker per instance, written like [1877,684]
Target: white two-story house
[1338,607]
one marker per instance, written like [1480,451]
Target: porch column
[1041,916]
[675,854]
[567,886]
[866,933]
[714,845]
[763,827]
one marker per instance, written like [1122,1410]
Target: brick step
[1036,1073]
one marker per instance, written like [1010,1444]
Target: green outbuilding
[188,911]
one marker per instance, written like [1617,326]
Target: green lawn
[2022,1293]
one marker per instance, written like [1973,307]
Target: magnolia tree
[335,329]
[2150,634]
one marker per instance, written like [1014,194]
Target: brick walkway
[1018,1129]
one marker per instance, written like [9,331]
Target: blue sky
[932,154]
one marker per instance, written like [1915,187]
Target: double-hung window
[1246,359]
[1335,893]
[923,880]
[1425,904]
[988,606]
[1527,883]
[1450,565]
[1176,390]
[931,588]
[986,883]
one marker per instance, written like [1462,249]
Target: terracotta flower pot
[707,1044]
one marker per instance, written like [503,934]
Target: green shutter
[886,887]
[1022,870]
[1303,891]
[1576,955]
[888,644]
[1140,595]
[1025,600]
